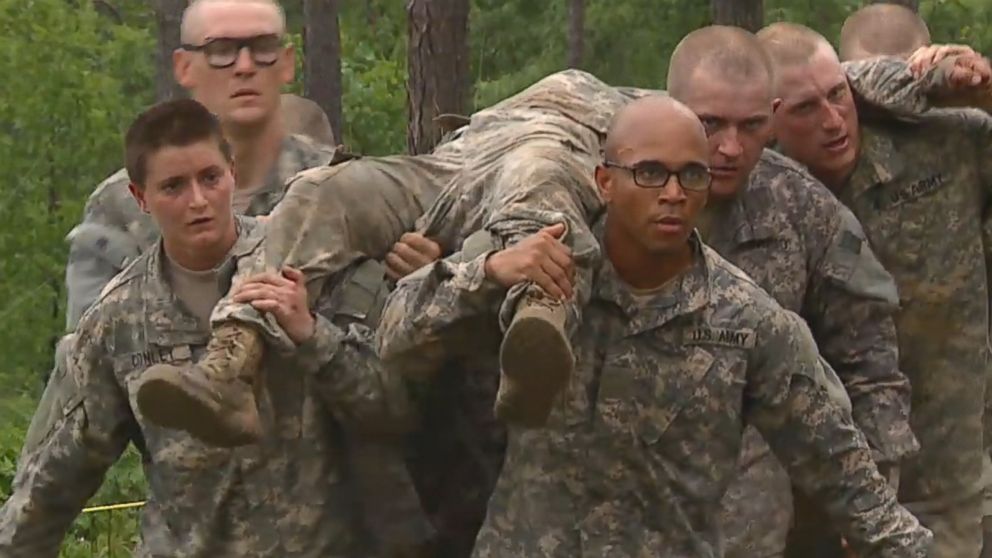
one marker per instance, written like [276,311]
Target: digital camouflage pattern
[519,165]
[887,87]
[290,495]
[636,459]
[921,189]
[115,231]
[804,248]
[522,164]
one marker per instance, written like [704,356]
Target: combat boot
[535,362]
[215,399]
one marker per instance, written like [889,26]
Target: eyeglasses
[223,52]
[692,177]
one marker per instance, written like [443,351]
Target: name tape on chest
[734,338]
[157,355]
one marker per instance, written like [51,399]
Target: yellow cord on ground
[113,507]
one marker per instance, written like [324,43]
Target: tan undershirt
[643,296]
[199,291]
[242,198]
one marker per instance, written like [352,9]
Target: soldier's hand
[965,69]
[285,296]
[541,258]
[926,58]
[411,253]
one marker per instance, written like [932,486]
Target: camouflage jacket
[921,190]
[886,86]
[289,495]
[114,231]
[635,461]
[792,236]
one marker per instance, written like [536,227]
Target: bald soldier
[677,351]
[920,190]
[238,81]
[882,30]
[781,226]
[234,59]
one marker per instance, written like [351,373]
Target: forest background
[77,71]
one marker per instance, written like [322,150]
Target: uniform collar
[690,292]
[166,319]
[879,162]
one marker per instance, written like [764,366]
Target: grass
[93,535]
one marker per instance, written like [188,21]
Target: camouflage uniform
[798,243]
[289,495]
[115,231]
[520,165]
[634,463]
[921,190]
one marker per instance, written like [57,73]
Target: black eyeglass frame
[635,171]
[240,44]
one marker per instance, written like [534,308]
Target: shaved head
[815,119]
[725,77]
[791,44]
[882,30]
[631,121]
[730,52]
[648,224]
[192,30]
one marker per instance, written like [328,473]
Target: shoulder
[113,214]
[738,304]
[119,299]
[308,152]
[787,179]
[733,289]
[935,126]
[114,195]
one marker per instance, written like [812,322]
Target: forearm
[52,485]
[829,460]
[351,379]
[423,318]
[858,338]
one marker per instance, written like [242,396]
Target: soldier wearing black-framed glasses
[223,52]
[692,177]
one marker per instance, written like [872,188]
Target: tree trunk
[168,16]
[437,57]
[322,59]
[749,14]
[576,32]
[911,4]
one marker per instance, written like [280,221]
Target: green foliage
[76,76]
[73,83]
[74,80]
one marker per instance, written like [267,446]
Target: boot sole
[538,360]
[162,403]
